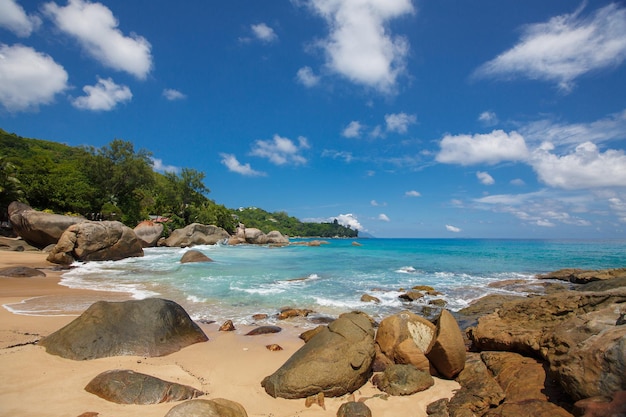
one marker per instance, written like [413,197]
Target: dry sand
[230,365]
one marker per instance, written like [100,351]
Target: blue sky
[402,118]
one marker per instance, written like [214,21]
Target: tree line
[117,182]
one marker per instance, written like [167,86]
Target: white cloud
[485,178]
[518,181]
[233,165]
[331,153]
[353,130]
[173,95]
[103,96]
[14,18]
[281,151]
[453,229]
[28,78]
[348,220]
[619,207]
[412,193]
[399,122]
[565,47]
[359,46]
[159,166]
[95,28]
[489,148]
[264,33]
[585,167]
[307,77]
[383,217]
[488,118]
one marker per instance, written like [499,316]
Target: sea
[330,279]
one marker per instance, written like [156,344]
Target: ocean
[330,279]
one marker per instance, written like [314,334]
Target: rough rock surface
[217,407]
[276,238]
[150,327]
[193,256]
[95,241]
[36,227]
[21,272]
[264,330]
[16,244]
[335,362]
[583,276]
[404,338]
[354,409]
[196,234]
[576,332]
[148,233]
[403,380]
[128,387]
[602,406]
[447,352]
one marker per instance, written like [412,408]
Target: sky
[400,118]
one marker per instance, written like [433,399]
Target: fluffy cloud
[95,28]
[399,122]
[159,166]
[353,130]
[585,167]
[565,47]
[307,77]
[383,217]
[452,229]
[14,18]
[233,165]
[490,148]
[281,151]
[412,193]
[488,118]
[485,178]
[264,33]
[348,220]
[103,96]
[359,46]
[28,78]
[173,95]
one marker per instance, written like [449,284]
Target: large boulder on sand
[96,241]
[447,353]
[148,233]
[150,327]
[217,407]
[335,362]
[405,337]
[196,234]
[36,227]
[123,386]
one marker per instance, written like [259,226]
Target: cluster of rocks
[69,238]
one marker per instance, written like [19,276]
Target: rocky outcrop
[336,361]
[95,241]
[217,407]
[148,233]
[196,234]
[193,256]
[254,236]
[128,387]
[583,276]
[575,332]
[150,327]
[403,380]
[38,228]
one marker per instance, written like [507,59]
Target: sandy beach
[230,365]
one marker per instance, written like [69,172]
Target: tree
[10,186]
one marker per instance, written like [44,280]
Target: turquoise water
[330,279]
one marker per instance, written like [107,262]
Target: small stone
[411,295]
[366,298]
[228,326]
[403,380]
[315,399]
[354,409]
[274,347]
[261,316]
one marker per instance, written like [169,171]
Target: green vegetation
[117,182]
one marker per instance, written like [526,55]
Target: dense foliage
[117,182]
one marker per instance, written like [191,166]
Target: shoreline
[230,365]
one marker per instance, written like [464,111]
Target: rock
[21,272]
[468,316]
[276,238]
[583,276]
[16,244]
[196,234]
[366,298]
[424,288]
[438,302]
[411,295]
[148,233]
[356,244]
[95,241]
[263,330]
[273,347]
[36,227]
[193,256]
[604,285]
[228,326]
[308,335]
[128,387]
[354,409]
[260,316]
[217,407]
[150,327]
[335,362]
[405,337]
[447,352]
[479,390]
[438,408]
[403,380]
[289,312]
[255,236]
[602,406]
